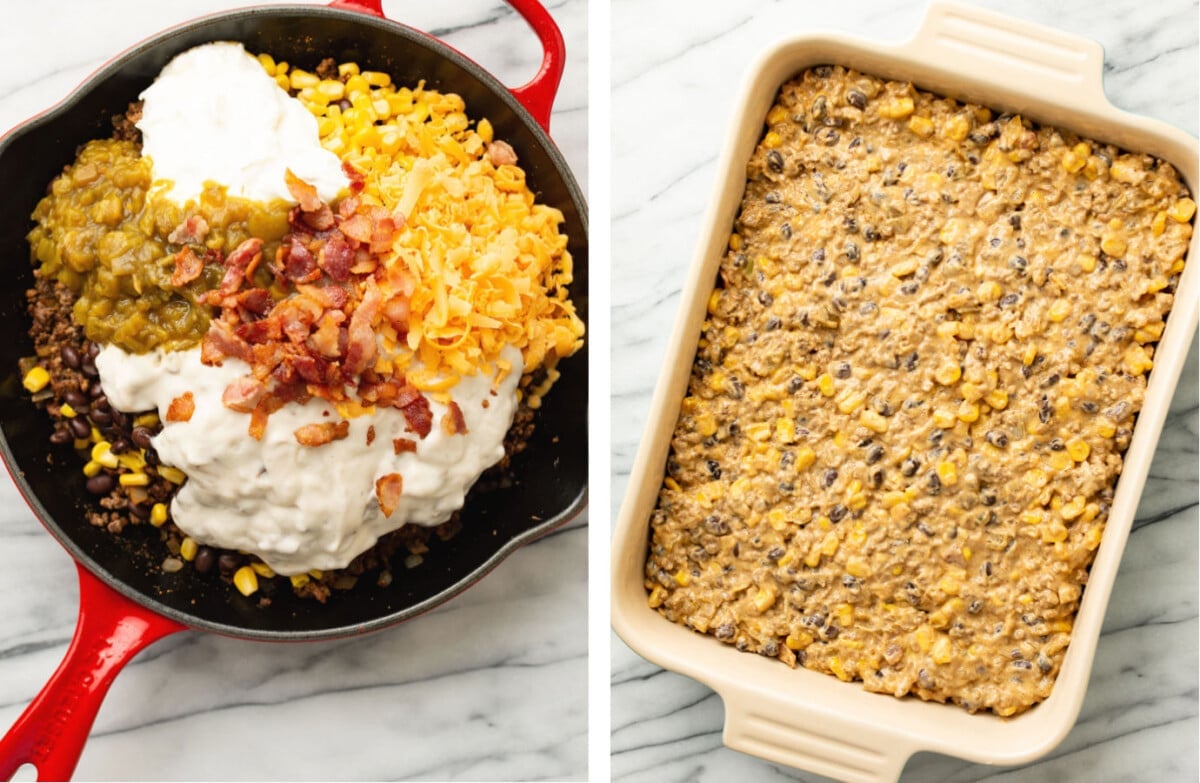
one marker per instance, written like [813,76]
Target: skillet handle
[536,95]
[110,631]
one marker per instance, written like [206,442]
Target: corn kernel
[36,379]
[857,566]
[1182,210]
[925,636]
[922,126]
[706,424]
[188,549]
[943,650]
[813,558]
[92,468]
[798,640]
[299,580]
[856,502]
[968,412]
[134,480]
[158,514]
[947,473]
[785,430]
[966,553]
[1105,427]
[1079,449]
[671,484]
[1061,461]
[1073,508]
[1113,245]
[1074,159]
[904,268]
[829,545]
[102,453]
[873,421]
[1054,533]
[682,577]
[246,581]
[267,62]
[67,411]
[1059,310]
[944,419]
[835,666]
[897,108]
[1032,517]
[957,127]
[776,115]
[947,330]
[947,374]
[971,391]
[764,599]
[848,403]
[146,420]
[772,140]
[825,384]
[949,585]
[300,79]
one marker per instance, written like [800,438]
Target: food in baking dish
[285,313]
[921,365]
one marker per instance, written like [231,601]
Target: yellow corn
[1032,517]
[805,457]
[146,420]
[173,475]
[1105,427]
[997,399]
[300,580]
[1060,461]
[944,419]
[102,453]
[92,468]
[825,384]
[134,480]
[682,578]
[829,545]
[798,640]
[835,666]
[785,430]
[764,599]
[1079,449]
[857,566]
[1059,310]
[873,421]
[36,379]
[925,636]
[968,412]
[67,411]
[245,580]
[158,514]
[957,127]
[1113,244]
[943,650]
[848,403]
[1182,210]
[1073,508]
[947,374]
[922,126]
[897,108]
[188,549]
[772,140]
[947,473]
[1074,159]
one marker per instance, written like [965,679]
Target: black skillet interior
[552,472]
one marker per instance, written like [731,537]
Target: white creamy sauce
[304,507]
[213,114]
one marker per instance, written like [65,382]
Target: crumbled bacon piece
[360,337]
[336,258]
[243,394]
[182,407]
[244,257]
[320,220]
[322,433]
[220,342]
[188,267]
[419,416]
[304,193]
[388,490]
[453,422]
[191,231]
[299,265]
[401,445]
[501,153]
[358,180]
[370,434]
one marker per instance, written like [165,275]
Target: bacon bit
[321,220]
[243,394]
[348,206]
[336,258]
[384,234]
[401,445]
[248,253]
[311,369]
[357,227]
[220,342]
[419,416]
[256,301]
[501,153]
[188,267]
[396,311]
[299,264]
[182,408]
[360,338]
[256,332]
[189,232]
[453,422]
[358,180]
[370,434]
[258,420]
[304,193]
[322,433]
[326,340]
[388,490]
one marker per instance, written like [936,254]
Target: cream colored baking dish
[811,720]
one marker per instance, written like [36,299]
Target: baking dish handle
[800,736]
[536,95]
[974,43]
[111,630]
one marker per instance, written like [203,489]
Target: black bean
[909,466]
[996,438]
[140,510]
[1087,406]
[786,231]
[852,251]
[88,366]
[975,607]
[1051,380]
[857,99]
[837,513]
[715,525]
[775,161]
[1044,663]
[856,141]
[1018,263]
[773,323]
[827,136]
[773,197]
[874,454]
[1008,300]
[842,370]
[775,553]
[765,298]
[93,349]
[70,357]
[77,400]
[95,391]
[828,477]
[987,496]
[151,458]
[850,582]
[101,403]
[926,679]
[1014,220]
[228,562]
[787,487]
[831,631]
[866,308]
[910,287]
[101,484]
[79,428]
[1045,412]
[61,437]
[205,558]
[120,445]
[724,631]
[141,436]
[910,361]
[875,478]
[870,234]
[935,482]
[1026,665]
[714,468]
[1056,444]
[1118,411]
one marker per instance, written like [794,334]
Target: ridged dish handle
[798,736]
[975,43]
[536,95]
[110,631]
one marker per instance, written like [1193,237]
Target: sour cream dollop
[304,507]
[213,114]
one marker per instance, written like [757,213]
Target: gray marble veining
[676,68]
[490,686]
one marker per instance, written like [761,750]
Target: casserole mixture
[921,365]
[290,317]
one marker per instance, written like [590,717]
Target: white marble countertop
[490,686]
[676,67]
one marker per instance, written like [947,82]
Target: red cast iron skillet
[126,601]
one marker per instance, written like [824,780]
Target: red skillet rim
[528,536]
